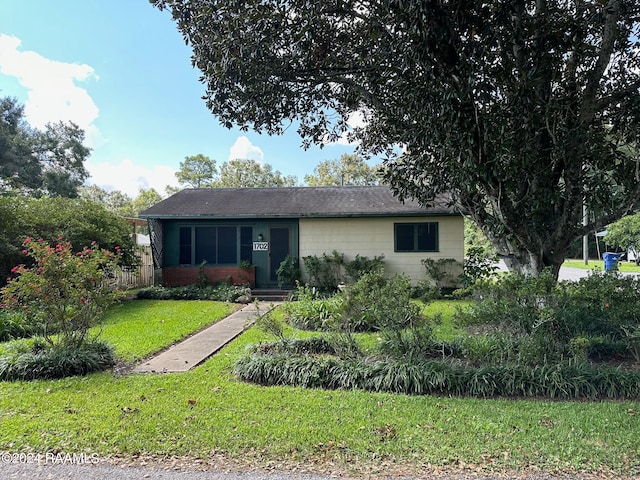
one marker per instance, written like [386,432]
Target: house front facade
[242,235]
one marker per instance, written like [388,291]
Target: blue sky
[121,70]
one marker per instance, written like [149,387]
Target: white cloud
[244,149]
[52,93]
[355,120]
[130,178]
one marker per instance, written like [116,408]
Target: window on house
[416,237]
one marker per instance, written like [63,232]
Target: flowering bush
[64,293]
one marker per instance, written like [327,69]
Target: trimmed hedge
[568,381]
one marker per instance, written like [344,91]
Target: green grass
[206,411]
[623,266]
[446,330]
[138,328]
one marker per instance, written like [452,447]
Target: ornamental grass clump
[61,296]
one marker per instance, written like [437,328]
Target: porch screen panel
[246,244]
[227,245]
[205,245]
[185,246]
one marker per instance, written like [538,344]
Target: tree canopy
[250,173]
[120,203]
[79,221]
[625,233]
[520,110]
[349,170]
[40,162]
[199,171]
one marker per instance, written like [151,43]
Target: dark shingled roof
[293,202]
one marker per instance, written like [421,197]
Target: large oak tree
[520,110]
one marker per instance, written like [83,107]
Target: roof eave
[299,215]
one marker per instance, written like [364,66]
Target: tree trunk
[530,264]
[527,262]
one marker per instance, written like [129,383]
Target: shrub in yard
[584,319]
[64,293]
[478,265]
[376,302]
[270,323]
[13,324]
[416,342]
[310,312]
[61,297]
[514,303]
[289,271]
[325,272]
[442,275]
[499,348]
[222,292]
[296,346]
[37,359]
[606,302]
[361,265]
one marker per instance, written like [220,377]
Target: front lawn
[139,328]
[207,412]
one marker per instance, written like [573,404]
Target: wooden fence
[140,276]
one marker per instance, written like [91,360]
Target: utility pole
[585,239]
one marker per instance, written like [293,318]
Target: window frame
[433,231]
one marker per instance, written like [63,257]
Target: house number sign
[260,246]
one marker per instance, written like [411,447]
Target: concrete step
[270,294]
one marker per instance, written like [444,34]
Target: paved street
[114,472]
[566,273]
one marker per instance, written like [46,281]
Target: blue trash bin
[611,260]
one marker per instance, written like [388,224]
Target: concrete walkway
[196,349]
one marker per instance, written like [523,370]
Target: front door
[279,248]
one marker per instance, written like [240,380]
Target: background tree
[80,221]
[516,110]
[35,162]
[474,238]
[115,201]
[249,173]
[625,234]
[145,199]
[197,171]
[349,170]
[18,167]
[120,203]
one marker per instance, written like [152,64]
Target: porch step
[270,294]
